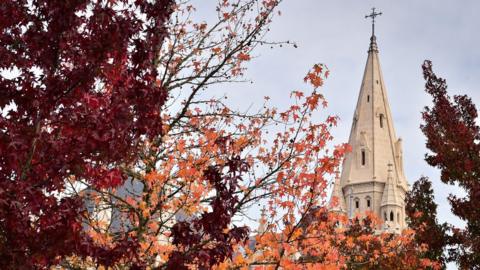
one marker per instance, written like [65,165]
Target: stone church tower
[372,177]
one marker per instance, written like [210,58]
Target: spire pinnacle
[390,196]
[262,223]
[337,200]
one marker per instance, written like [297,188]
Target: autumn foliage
[78,92]
[452,132]
[113,155]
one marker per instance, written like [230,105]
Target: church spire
[372,136]
[374,165]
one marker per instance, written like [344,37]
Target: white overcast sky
[337,34]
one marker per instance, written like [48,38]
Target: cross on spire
[373,15]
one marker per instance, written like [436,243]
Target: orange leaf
[243,56]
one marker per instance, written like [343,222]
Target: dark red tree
[453,137]
[207,240]
[421,211]
[78,90]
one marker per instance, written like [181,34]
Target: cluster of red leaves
[189,236]
[80,90]
[453,137]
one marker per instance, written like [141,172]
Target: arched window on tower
[369,201]
[391,215]
[381,120]
[357,203]
[364,157]
[368,98]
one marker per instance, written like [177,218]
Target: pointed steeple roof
[339,204]
[372,136]
[390,196]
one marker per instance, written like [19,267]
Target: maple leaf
[243,57]
[217,50]
[318,68]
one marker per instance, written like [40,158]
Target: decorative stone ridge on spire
[372,177]
[373,45]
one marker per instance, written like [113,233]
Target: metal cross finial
[373,15]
